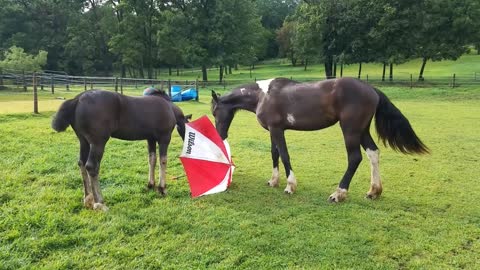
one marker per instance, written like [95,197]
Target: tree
[16,58]
[273,13]
[87,51]
[286,36]
[446,29]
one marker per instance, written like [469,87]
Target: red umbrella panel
[206,158]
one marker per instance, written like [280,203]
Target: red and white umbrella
[206,158]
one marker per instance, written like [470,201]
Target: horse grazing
[282,104]
[97,115]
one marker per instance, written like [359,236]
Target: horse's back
[103,114]
[315,105]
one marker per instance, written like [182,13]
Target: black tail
[65,115]
[393,128]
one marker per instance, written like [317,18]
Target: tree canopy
[137,37]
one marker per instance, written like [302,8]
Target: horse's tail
[395,129]
[65,115]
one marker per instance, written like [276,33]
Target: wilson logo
[191,142]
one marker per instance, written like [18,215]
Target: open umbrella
[206,158]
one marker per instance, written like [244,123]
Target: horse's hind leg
[373,155]
[273,182]
[152,162]
[352,143]
[93,168]
[162,187]
[87,186]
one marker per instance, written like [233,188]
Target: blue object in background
[176,91]
[189,94]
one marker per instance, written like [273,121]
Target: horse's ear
[188,116]
[214,96]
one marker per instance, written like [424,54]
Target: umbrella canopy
[206,158]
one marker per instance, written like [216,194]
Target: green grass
[465,67]
[427,218]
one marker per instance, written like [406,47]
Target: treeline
[135,38]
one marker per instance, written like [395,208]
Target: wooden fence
[52,81]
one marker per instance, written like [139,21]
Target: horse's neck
[247,100]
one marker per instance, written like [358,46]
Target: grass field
[427,218]
[465,66]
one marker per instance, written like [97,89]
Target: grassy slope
[466,65]
[427,217]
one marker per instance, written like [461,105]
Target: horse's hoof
[271,183]
[88,201]
[338,196]
[100,206]
[371,196]
[162,191]
[374,192]
[150,186]
[289,192]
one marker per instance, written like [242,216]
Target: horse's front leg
[273,182]
[278,138]
[152,162]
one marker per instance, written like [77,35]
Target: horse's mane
[160,93]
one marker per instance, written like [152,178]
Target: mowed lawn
[427,218]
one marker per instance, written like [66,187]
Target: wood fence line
[55,81]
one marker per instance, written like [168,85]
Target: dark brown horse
[282,104]
[97,115]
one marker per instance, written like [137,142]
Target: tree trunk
[328,66]
[220,73]
[360,70]
[420,75]
[236,66]
[305,65]
[335,69]
[204,73]
[390,78]
[229,69]
[140,71]
[384,69]
[341,70]
[178,70]
[292,59]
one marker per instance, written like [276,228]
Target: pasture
[427,217]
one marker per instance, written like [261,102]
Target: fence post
[121,85]
[24,81]
[116,84]
[1,78]
[169,85]
[196,88]
[41,82]
[91,84]
[35,95]
[411,81]
[367,78]
[68,84]
[52,84]
[453,81]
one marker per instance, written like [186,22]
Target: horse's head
[223,113]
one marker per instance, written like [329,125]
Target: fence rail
[53,81]
[57,81]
